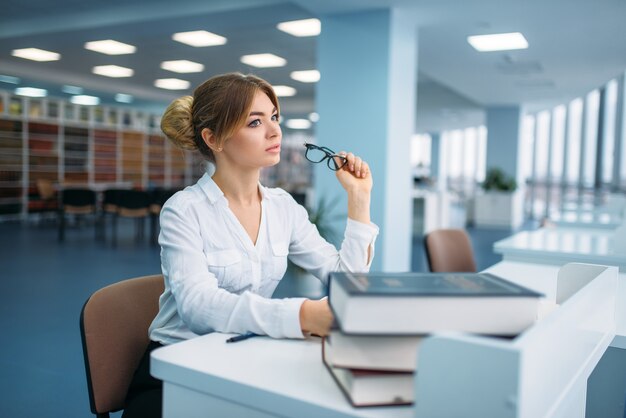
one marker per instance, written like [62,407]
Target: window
[557,144]
[420,155]
[591,138]
[608,149]
[574,141]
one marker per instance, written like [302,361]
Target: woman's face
[257,143]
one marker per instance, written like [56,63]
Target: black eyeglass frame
[330,156]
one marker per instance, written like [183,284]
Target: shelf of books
[177,165]
[102,146]
[11,167]
[105,156]
[132,149]
[75,153]
[156,161]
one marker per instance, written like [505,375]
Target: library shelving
[11,167]
[95,146]
[133,157]
[102,147]
[75,153]
[104,155]
[156,160]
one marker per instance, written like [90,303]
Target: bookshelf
[132,149]
[156,160]
[101,146]
[105,156]
[11,167]
[75,155]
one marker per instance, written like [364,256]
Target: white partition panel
[541,373]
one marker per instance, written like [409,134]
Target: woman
[225,240]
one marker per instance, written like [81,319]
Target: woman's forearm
[359,206]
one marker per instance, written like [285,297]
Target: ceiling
[575,46]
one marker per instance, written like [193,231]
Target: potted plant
[501,205]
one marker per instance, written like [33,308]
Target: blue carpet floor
[44,286]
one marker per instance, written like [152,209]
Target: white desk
[459,375]
[259,377]
[560,246]
[576,219]
[555,247]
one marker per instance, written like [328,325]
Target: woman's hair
[221,104]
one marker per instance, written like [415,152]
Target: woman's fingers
[365,168]
[355,164]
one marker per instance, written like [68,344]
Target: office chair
[132,204]
[449,250]
[158,199]
[78,202]
[114,332]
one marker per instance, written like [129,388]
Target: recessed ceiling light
[172,84]
[305,27]
[31,92]
[182,66]
[199,38]
[284,91]
[123,98]
[308,76]
[36,54]
[314,117]
[85,100]
[110,47]
[72,90]
[264,60]
[9,79]
[298,124]
[498,42]
[114,71]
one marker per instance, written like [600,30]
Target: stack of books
[382,318]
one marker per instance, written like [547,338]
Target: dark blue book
[421,303]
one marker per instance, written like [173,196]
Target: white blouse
[217,279]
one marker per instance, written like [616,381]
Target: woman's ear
[210,140]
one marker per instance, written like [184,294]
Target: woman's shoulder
[184,198]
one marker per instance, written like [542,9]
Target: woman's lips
[274,149]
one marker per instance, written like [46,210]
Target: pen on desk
[241,337]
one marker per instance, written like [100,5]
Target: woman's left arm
[356,178]
[313,253]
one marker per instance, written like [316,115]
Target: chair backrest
[45,189]
[78,200]
[133,203]
[449,250]
[114,326]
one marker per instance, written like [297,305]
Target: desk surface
[246,373]
[559,246]
[576,219]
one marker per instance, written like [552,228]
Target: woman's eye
[254,123]
[275,117]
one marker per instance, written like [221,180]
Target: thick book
[422,303]
[371,387]
[390,353]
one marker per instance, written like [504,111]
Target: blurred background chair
[449,250]
[77,202]
[44,198]
[132,204]
[159,197]
[114,332]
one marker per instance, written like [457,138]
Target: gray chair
[114,326]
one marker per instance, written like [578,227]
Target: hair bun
[177,125]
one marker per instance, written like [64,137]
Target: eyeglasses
[317,154]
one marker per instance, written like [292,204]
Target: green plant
[322,217]
[498,180]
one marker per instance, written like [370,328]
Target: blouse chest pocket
[226,265]
[280,250]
